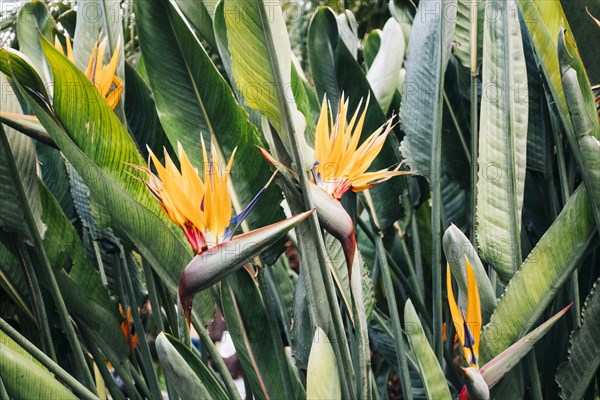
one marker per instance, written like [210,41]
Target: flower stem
[147,364]
[216,357]
[386,276]
[275,334]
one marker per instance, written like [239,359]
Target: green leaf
[262,63]
[384,71]
[33,18]
[542,274]
[246,318]
[322,378]
[306,99]
[494,370]
[582,107]
[100,17]
[575,374]
[431,372]
[202,104]
[12,217]
[371,46]
[187,376]
[100,151]
[199,16]
[334,71]
[339,270]
[141,114]
[363,303]
[348,29]
[420,114]
[25,378]
[546,21]
[12,279]
[462,35]
[85,296]
[458,249]
[502,143]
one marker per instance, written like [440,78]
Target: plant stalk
[230,387]
[474,120]
[153,295]
[275,334]
[395,318]
[143,347]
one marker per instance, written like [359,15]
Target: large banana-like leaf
[246,319]
[262,66]
[542,274]
[141,114]
[99,148]
[23,150]
[431,372]
[582,107]
[420,114]
[322,381]
[545,21]
[25,378]
[187,376]
[502,142]
[192,99]
[335,71]
[467,12]
[575,374]
[384,72]
[197,13]
[538,139]
[33,18]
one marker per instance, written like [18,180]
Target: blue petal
[238,219]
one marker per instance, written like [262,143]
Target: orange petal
[473,317]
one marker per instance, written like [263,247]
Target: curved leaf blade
[575,374]
[503,363]
[186,375]
[261,59]
[27,379]
[540,277]
[502,142]
[432,375]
